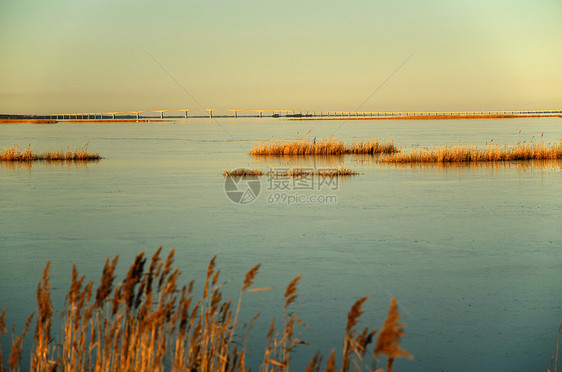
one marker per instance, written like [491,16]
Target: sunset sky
[75,56]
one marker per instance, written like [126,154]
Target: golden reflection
[300,161]
[14,165]
[553,165]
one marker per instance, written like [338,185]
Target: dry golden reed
[150,322]
[303,172]
[14,153]
[323,146]
[371,147]
[388,342]
[27,121]
[243,173]
[464,154]
[300,146]
[554,360]
[295,172]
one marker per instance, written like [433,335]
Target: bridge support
[236,114]
[210,114]
[186,114]
[138,116]
[161,114]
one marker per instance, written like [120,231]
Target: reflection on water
[521,165]
[316,161]
[311,161]
[46,163]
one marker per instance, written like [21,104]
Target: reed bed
[243,173]
[372,147]
[302,172]
[14,153]
[27,121]
[323,146]
[300,146]
[150,322]
[464,154]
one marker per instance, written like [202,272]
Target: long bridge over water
[235,113]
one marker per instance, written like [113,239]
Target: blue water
[473,254]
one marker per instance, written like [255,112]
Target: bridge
[235,113]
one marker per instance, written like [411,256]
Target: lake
[473,254]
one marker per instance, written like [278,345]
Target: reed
[27,121]
[323,146]
[303,172]
[295,172]
[243,173]
[464,154]
[372,147]
[300,146]
[14,153]
[150,322]
[554,359]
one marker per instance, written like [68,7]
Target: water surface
[472,253]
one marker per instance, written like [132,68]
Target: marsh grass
[371,147]
[554,360]
[27,121]
[14,153]
[464,154]
[295,172]
[301,172]
[241,172]
[323,146]
[300,146]
[150,322]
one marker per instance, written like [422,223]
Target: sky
[89,56]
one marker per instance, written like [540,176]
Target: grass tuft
[242,173]
[372,147]
[303,172]
[300,146]
[14,153]
[464,154]
[323,146]
[295,172]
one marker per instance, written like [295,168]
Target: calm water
[473,254]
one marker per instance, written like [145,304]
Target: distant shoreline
[431,117]
[28,121]
[37,119]
[50,121]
